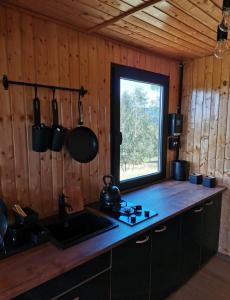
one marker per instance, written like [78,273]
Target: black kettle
[110,193]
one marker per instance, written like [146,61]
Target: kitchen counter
[26,270]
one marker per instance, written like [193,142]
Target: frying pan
[57,132]
[40,132]
[82,142]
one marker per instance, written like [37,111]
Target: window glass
[139,109]
[140,124]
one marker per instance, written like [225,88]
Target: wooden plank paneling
[18,107]
[65,101]
[28,61]
[42,76]
[206,107]
[53,66]
[84,79]
[8,184]
[187,28]
[204,145]
[94,105]
[76,199]
[34,49]
[216,74]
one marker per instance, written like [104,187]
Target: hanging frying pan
[40,132]
[82,143]
[58,132]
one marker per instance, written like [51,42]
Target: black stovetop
[128,212]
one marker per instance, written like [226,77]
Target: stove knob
[147,213]
[133,219]
[138,207]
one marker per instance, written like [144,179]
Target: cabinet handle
[161,230]
[198,210]
[209,203]
[145,240]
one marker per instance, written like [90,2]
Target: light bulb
[222,44]
[220,49]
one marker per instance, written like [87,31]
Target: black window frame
[121,71]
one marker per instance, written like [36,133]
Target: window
[138,126]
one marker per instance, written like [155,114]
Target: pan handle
[80,110]
[36,109]
[55,112]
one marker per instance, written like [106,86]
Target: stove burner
[118,206]
[127,210]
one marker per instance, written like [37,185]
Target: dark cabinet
[131,269]
[165,258]
[95,289]
[191,242]
[211,225]
[86,282]
[199,236]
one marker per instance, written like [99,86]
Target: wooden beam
[122,16]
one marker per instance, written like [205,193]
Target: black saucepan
[82,142]
[58,132]
[40,132]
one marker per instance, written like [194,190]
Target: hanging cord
[179,106]
[80,109]
[36,91]
[54,93]
[36,107]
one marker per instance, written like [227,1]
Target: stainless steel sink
[75,228]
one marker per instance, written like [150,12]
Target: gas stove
[128,212]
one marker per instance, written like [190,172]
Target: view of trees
[140,128]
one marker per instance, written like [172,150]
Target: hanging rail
[6,82]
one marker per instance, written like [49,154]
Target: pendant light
[225,22]
[221,45]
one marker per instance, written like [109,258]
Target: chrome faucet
[62,205]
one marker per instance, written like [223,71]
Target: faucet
[62,205]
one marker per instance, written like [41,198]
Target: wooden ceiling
[183,29]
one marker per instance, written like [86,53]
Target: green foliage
[140,128]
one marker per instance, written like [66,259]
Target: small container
[31,218]
[17,235]
[209,181]
[180,170]
[196,178]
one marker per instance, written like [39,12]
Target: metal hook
[5,82]
[82,91]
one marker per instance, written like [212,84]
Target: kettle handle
[111,180]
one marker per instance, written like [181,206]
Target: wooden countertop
[26,270]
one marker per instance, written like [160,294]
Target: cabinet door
[131,269]
[166,251]
[211,225]
[191,241]
[95,289]
[74,278]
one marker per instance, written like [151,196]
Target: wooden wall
[34,49]
[206,137]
